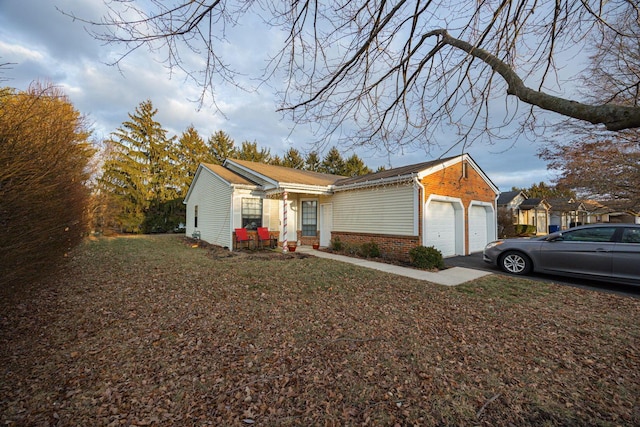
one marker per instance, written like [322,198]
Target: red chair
[264,236]
[242,236]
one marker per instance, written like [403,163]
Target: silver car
[608,252]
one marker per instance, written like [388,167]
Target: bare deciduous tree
[604,165]
[399,71]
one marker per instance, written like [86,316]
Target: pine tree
[276,161]
[354,166]
[139,173]
[293,159]
[191,151]
[312,162]
[544,191]
[249,151]
[221,147]
[333,163]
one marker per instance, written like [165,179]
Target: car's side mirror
[555,237]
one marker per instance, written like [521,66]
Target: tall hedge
[44,158]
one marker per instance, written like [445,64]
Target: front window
[251,213]
[309,217]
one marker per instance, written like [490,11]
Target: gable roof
[533,203]
[276,179]
[399,173]
[228,175]
[220,172]
[409,172]
[563,204]
[508,196]
[280,174]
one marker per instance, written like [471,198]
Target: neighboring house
[447,203]
[610,211]
[565,213]
[535,212]
[510,201]
[516,207]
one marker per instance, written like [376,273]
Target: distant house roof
[563,204]
[610,206]
[507,196]
[531,203]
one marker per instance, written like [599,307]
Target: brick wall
[308,240]
[451,182]
[396,247]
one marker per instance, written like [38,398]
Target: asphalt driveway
[474,261]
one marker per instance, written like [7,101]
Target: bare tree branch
[379,73]
[614,117]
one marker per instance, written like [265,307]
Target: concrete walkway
[449,277]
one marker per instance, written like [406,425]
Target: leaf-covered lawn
[150,330]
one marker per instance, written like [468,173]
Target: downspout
[495,216]
[420,219]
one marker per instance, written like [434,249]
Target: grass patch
[506,288]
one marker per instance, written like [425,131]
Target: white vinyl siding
[213,198]
[272,214]
[385,210]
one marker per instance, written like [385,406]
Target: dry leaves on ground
[150,330]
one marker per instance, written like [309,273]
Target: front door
[326,223]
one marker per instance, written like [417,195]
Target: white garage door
[441,227]
[478,233]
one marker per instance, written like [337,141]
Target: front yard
[149,330]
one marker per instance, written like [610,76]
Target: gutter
[290,187]
[382,181]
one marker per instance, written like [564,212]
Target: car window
[597,234]
[631,235]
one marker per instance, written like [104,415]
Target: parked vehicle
[608,252]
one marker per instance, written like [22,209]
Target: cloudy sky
[43,44]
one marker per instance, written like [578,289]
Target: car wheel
[515,263]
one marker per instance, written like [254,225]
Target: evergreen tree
[221,147]
[545,191]
[191,151]
[312,162]
[139,173]
[354,166]
[333,163]
[293,159]
[249,151]
[276,161]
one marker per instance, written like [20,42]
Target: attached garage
[443,225]
[481,228]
